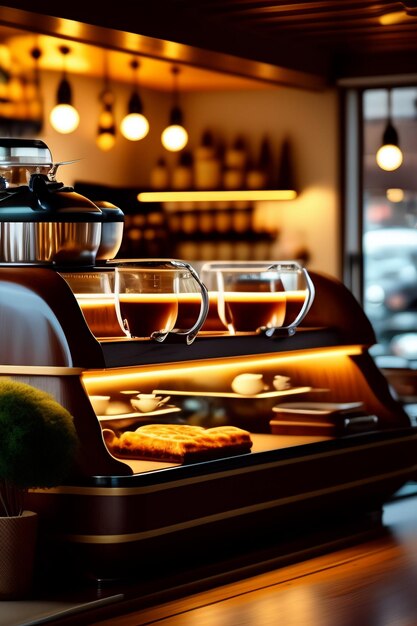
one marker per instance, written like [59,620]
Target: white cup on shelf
[100,404]
[281,382]
[148,402]
[248,384]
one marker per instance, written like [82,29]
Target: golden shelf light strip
[206,196]
[129,375]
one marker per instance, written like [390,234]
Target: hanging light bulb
[175,137]
[64,118]
[134,125]
[106,131]
[389,156]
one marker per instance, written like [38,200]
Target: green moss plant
[38,443]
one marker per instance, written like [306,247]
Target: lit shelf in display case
[217,195]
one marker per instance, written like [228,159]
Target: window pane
[390,223]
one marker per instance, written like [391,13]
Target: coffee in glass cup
[150,293]
[250,299]
[94,291]
[255,296]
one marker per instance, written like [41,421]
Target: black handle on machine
[44,191]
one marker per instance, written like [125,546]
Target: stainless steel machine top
[43,221]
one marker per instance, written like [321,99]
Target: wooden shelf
[126,352]
[223,394]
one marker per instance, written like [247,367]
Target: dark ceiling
[335,39]
[328,39]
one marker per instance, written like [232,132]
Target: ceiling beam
[114,30]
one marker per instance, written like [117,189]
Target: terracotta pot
[17,554]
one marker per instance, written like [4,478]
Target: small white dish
[248,384]
[100,404]
[281,382]
[147,402]
[125,420]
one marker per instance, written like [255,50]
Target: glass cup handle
[123,323]
[291,328]
[187,336]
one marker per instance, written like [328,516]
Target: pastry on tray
[179,443]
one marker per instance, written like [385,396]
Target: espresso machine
[120,516]
[43,221]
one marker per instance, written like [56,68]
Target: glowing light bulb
[106,119]
[134,126]
[395,194]
[174,137]
[105,140]
[64,118]
[389,157]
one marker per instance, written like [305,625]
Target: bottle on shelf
[256,177]
[207,165]
[182,175]
[261,175]
[160,175]
[235,157]
[235,164]
[285,179]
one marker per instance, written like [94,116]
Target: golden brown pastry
[181,443]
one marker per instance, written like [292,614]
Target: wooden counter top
[371,580]
[372,583]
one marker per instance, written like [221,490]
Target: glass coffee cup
[260,296]
[159,299]
[94,291]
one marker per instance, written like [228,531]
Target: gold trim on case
[150,534]
[40,370]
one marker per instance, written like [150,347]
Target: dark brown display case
[117,518]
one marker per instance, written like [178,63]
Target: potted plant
[38,445]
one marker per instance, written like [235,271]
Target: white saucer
[124,420]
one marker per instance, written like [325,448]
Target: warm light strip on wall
[219,364]
[394,17]
[206,196]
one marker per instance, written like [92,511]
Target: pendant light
[106,131]
[134,125]
[389,156]
[175,137]
[64,117]
[37,101]
[36,54]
